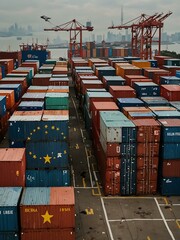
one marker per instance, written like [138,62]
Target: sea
[13,44]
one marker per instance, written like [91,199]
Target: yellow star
[30,153]
[34,156]
[46,126]
[34,130]
[28,138]
[46,132]
[57,129]
[38,128]
[53,127]
[47,217]
[62,133]
[47,159]
[30,133]
[65,151]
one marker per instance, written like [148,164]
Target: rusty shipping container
[12,167]
[171,168]
[170,92]
[47,208]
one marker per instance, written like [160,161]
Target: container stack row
[37,213]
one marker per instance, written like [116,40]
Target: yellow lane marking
[77,146]
[178,223]
[148,238]
[89,211]
[97,184]
[166,201]
[84,183]
[74,129]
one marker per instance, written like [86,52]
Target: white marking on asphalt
[142,219]
[73,177]
[106,217]
[164,220]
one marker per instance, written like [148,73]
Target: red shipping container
[42,80]
[101,106]
[171,168]
[0,73]
[160,60]
[170,92]
[111,182]
[10,99]
[18,80]
[139,80]
[56,212]
[142,188]
[110,149]
[146,174]
[16,56]
[53,234]
[8,64]
[127,110]
[172,69]
[12,167]
[147,162]
[130,77]
[99,99]
[148,149]
[85,84]
[122,92]
[30,64]
[148,130]
[157,75]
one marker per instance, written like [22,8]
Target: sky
[100,12]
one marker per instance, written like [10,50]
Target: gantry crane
[75,29]
[143,30]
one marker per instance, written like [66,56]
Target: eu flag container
[170,80]
[167,114]
[2,106]
[16,87]
[155,101]
[9,236]
[147,89]
[30,54]
[9,212]
[57,101]
[30,106]
[47,154]
[170,130]
[47,178]
[128,175]
[170,186]
[170,151]
[129,102]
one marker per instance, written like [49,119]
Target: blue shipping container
[9,236]
[30,54]
[146,89]
[155,101]
[170,186]
[170,151]
[16,87]
[47,178]
[30,106]
[47,154]
[9,213]
[2,106]
[129,102]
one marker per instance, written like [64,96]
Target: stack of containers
[169,174]
[118,132]
[56,101]
[12,167]
[45,136]
[3,117]
[48,213]
[9,212]
[170,92]
[148,141]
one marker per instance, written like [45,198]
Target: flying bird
[45,18]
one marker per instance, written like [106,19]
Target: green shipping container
[57,101]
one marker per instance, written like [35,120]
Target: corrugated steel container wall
[148,130]
[170,80]
[155,101]
[30,106]
[129,102]
[48,154]
[122,92]
[67,234]
[47,208]
[170,130]
[33,96]
[9,236]
[10,99]
[16,87]
[148,149]
[12,167]
[9,214]
[110,149]
[41,55]
[147,161]
[146,188]
[141,115]
[128,175]
[146,89]
[167,114]
[170,151]
[2,106]
[57,101]
[171,168]
[47,178]
[170,186]
[170,92]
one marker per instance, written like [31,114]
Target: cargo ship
[89,150]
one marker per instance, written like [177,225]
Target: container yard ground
[114,218]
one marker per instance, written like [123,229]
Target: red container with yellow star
[47,208]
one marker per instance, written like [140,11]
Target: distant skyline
[100,12]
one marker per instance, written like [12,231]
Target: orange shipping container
[10,99]
[12,167]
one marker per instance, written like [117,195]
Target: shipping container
[170,80]
[129,102]
[33,96]
[145,188]
[170,151]
[30,106]
[146,89]
[170,186]
[57,101]
[9,201]
[112,81]
[176,104]
[122,92]
[52,234]
[2,106]
[47,178]
[37,89]
[9,236]
[155,101]
[16,87]
[12,167]
[170,92]
[170,130]
[167,114]
[47,154]
[41,79]
[170,168]
[47,208]
[10,98]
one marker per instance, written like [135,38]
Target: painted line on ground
[178,223]
[106,218]
[148,238]
[85,188]
[73,176]
[164,220]
[173,204]
[142,219]
[90,175]
[84,182]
